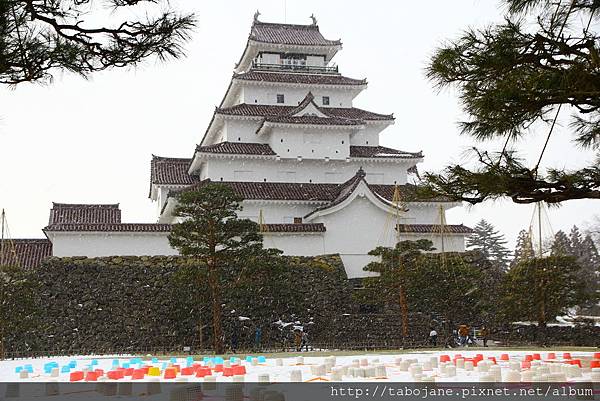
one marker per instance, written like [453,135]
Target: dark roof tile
[308,35]
[63,213]
[263,110]
[299,78]
[238,148]
[121,227]
[26,253]
[433,228]
[170,171]
[294,228]
[381,152]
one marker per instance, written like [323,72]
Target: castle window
[280,98]
[297,220]
[281,140]
[239,139]
[325,100]
[342,142]
[367,142]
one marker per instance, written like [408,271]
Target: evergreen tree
[561,246]
[38,38]
[512,76]
[588,258]
[211,232]
[523,249]
[576,241]
[490,243]
[540,289]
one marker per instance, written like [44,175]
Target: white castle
[287,138]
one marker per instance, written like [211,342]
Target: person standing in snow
[234,340]
[304,341]
[433,336]
[257,338]
[463,334]
[484,333]
[298,340]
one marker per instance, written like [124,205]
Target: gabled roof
[381,152]
[289,34]
[237,148]
[263,110]
[26,253]
[434,228]
[64,213]
[299,78]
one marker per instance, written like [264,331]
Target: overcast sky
[79,141]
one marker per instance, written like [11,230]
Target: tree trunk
[215,289]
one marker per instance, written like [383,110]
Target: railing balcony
[295,67]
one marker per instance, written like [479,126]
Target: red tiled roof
[122,227]
[308,35]
[238,148]
[313,120]
[288,191]
[295,228]
[275,190]
[26,253]
[62,213]
[299,78]
[274,228]
[263,110]
[408,193]
[381,152]
[433,228]
[170,170]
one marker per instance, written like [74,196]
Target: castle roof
[295,228]
[434,228]
[62,213]
[237,148]
[119,227]
[289,34]
[316,192]
[263,110]
[26,253]
[170,171]
[381,152]
[299,78]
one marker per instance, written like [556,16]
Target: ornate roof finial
[314,19]
[256,15]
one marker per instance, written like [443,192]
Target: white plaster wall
[359,228]
[259,94]
[369,136]
[296,245]
[241,131]
[310,143]
[275,213]
[292,170]
[110,244]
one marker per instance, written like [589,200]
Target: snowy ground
[409,367]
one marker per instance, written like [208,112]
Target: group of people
[464,336]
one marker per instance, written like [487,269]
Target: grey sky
[81,141]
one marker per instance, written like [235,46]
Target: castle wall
[292,170]
[110,244]
[338,97]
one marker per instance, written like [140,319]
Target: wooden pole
[2,240]
[539,206]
